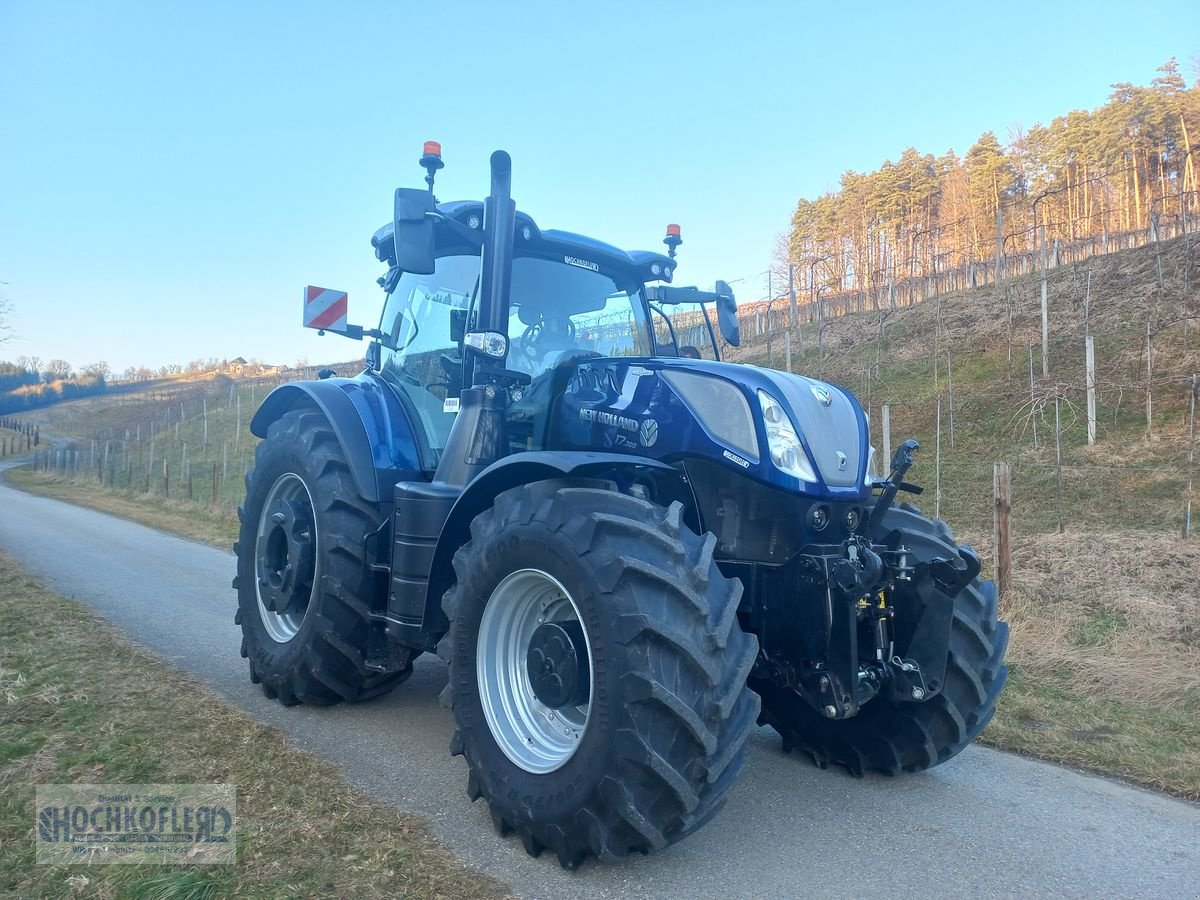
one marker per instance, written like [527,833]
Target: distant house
[238,365]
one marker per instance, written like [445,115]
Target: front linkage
[863,582]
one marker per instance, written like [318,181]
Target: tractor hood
[676,409]
[830,422]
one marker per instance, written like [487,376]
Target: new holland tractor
[629,553]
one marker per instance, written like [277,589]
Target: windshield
[558,313]
[683,329]
[561,312]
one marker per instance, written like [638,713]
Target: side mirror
[413,230]
[458,325]
[727,314]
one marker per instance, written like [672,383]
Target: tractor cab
[570,299]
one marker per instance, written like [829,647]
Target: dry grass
[1105,656]
[71,712]
[1119,612]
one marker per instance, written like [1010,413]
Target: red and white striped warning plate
[325,309]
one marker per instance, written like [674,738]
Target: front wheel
[597,671]
[892,737]
[302,581]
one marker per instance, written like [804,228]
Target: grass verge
[81,704]
[187,519]
[1051,719]
[1105,656]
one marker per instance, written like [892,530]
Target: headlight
[783,443]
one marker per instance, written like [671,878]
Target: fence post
[166,478]
[1090,362]
[1001,537]
[214,484]
[1187,512]
[1149,377]
[1032,398]
[937,465]
[885,413]
[1058,466]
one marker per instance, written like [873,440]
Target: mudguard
[372,427]
[666,482]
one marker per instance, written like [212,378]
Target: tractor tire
[650,754]
[892,737]
[302,542]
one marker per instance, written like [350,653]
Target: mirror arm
[471,236]
[355,333]
[663,294]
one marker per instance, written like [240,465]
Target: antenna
[431,161]
[672,240]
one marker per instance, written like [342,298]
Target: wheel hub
[557,664]
[285,562]
[533,670]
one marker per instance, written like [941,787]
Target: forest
[1126,166]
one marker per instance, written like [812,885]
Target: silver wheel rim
[282,627]
[534,736]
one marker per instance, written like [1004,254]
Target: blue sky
[173,174]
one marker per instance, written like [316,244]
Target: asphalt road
[984,824]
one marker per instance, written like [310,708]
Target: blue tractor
[628,552]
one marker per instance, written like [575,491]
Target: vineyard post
[166,478]
[215,484]
[886,416]
[1187,512]
[937,465]
[1058,477]
[1001,537]
[1032,398]
[1090,362]
[1149,376]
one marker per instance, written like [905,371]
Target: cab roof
[648,265]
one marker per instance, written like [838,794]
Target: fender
[665,484]
[370,424]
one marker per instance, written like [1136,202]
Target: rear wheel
[302,580]
[892,737]
[597,671]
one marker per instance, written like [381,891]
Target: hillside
[972,352]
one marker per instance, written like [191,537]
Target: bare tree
[5,312]
[57,369]
[99,370]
